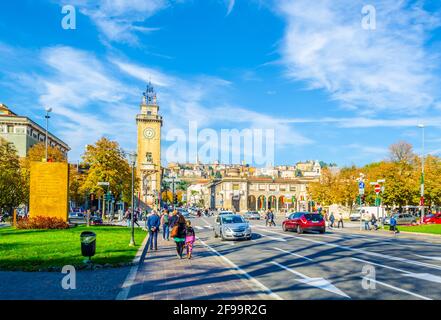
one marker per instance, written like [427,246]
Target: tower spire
[150,94]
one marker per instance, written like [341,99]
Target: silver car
[402,218]
[232,227]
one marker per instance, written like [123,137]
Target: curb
[128,282]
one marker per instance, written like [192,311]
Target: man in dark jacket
[174,219]
[153,224]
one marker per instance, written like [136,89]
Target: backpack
[166,219]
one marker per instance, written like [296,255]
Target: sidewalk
[163,276]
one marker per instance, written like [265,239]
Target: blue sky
[330,89]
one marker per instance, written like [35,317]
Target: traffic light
[175,199]
[92,197]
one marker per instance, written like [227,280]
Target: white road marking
[375,254]
[430,258]
[315,282]
[243,272]
[422,276]
[273,238]
[397,289]
[294,254]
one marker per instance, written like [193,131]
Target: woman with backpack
[165,219]
[178,233]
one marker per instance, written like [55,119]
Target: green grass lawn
[430,228]
[31,250]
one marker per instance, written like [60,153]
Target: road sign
[361,185]
[360,191]
[103,183]
[377,188]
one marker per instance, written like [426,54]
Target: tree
[11,179]
[76,181]
[325,190]
[108,164]
[401,152]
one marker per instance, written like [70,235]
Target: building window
[10,129]
[292,188]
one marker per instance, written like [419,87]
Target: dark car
[304,221]
[96,221]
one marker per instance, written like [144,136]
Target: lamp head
[48,109]
[421,125]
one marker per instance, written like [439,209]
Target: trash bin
[88,244]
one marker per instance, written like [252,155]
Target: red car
[304,221]
[432,219]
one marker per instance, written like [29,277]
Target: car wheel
[215,234]
[222,236]
[322,231]
[299,230]
[284,228]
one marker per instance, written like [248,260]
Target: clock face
[149,133]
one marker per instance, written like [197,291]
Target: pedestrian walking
[153,223]
[190,238]
[331,220]
[178,234]
[393,225]
[374,222]
[135,219]
[340,221]
[127,217]
[165,219]
[271,219]
[173,219]
[366,218]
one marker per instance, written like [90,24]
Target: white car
[355,216]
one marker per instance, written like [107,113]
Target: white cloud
[387,69]
[120,20]
[230,4]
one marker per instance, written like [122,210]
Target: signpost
[361,187]
[378,189]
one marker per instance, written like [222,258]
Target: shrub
[40,222]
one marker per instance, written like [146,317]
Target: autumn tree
[76,181]
[11,179]
[325,190]
[107,164]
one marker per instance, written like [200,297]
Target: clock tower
[149,124]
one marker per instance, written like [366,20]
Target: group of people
[331,219]
[269,219]
[370,221]
[175,226]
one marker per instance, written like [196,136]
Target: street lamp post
[47,116]
[422,126]
[132,161]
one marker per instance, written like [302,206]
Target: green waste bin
[88,243]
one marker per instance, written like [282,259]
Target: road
[340,264]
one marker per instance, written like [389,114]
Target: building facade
[149,123]
[258,193]
[24,133]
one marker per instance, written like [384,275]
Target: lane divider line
[243,272]
[294,254]
[397,289]
[375,254]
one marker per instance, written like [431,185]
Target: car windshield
[232,219]
[313,217]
